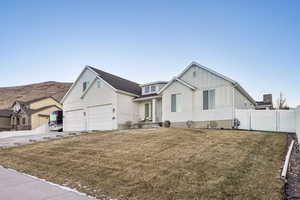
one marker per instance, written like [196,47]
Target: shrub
[189,124]
[213,124]
[128,124]
[167,124]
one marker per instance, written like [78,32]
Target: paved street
[18,186]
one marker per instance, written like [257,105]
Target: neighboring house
[32,114]
[101,101]
[5,119]
[266,104]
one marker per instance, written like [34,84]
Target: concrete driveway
[28,139]
[18,186]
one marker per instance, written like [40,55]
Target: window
[18,121]
[147,89]
[176,103]
[209,99]
[99,84]
[24,121]
[84,85]
[153,88]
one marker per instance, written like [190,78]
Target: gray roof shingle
[118,82]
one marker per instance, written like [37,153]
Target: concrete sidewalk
[18,186]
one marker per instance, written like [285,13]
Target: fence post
[298,124]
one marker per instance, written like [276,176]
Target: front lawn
[159,164]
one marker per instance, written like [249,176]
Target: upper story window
[209,101]
[153,88]
[147,89]
[84,85]
[176,103]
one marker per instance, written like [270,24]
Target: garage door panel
[100,117]
[75,120]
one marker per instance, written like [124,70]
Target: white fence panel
[269,120]
[287,121]
[263,120]
[244,118]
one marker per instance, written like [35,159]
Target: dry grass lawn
[159,164]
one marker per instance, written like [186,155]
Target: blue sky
[253,42]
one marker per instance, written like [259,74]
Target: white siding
[104,95]
[203,79]
[127,110]
[141,109]
[186,103]
[158,109]
[241,102]
[193,100]
[94,97]
[73,100]
[223,105]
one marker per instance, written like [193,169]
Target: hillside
[27,92]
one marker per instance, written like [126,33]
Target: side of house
[99,101]
[28,115]
[203,96]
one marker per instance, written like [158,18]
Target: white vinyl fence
[268,120]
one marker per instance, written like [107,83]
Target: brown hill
[27,92]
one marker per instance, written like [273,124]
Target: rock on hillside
[27,92]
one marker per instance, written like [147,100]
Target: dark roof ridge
[117,82]
[35,100]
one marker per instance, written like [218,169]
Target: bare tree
[281,102]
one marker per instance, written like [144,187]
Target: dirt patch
[163,164]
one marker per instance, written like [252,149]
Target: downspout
[233,104]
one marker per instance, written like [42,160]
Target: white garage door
[100,117]
[75,120]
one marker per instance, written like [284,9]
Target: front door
[148,111]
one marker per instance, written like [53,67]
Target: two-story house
[98,100]
[28,115]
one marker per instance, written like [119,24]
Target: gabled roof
[234,83]
[118,82]
[115,82]
[178,80]
[34,100]
[32,111]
